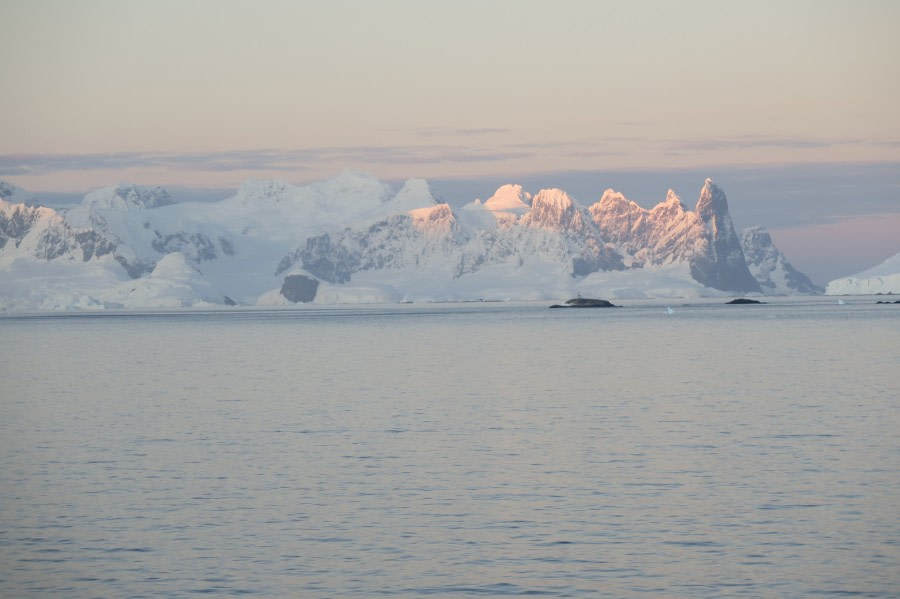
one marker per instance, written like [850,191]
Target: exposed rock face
[356,233]
[126,196]
[722,266]
[555,231]
[667,233]
[47,235]
[586,302]
[770,268]
[16,221]
[554,210]
[197,246]
[299,288]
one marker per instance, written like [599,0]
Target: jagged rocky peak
[775,275]
[712,207]
[672,199]
[16,213]
[667,233]
[42,233]
[712,201]
[671,208]
[614,205]
[613,200]
[126,196]
[357,232]
[615,214]
[25,212]
[17,220]
[434,219]
[724,267]
[509,198]
[554,209]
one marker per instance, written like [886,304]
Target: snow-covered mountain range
[883,278]
[355,239]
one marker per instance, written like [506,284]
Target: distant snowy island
[883,278]
[354,239]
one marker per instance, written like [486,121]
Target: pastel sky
[207,93]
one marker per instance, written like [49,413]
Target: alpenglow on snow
[355,239]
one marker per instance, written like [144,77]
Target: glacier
[881,279]
[354,238]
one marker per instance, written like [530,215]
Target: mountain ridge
[364,241]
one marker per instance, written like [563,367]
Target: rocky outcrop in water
[299,288]
[585,302]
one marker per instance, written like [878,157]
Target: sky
[791,106]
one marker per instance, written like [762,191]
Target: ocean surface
[453,450]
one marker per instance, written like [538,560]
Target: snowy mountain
[125,197]
[770,268]
[354,239]
[884,278]
[14,195]
[704,239]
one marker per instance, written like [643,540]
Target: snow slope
[883,278]
[130,246]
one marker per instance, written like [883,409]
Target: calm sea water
[453,450]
